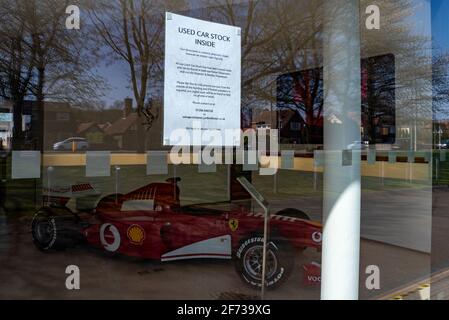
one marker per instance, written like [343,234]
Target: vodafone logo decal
[110,237]
[317,237]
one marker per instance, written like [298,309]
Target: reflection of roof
[104,125]
[84,126]
[122,125]
[87,125]
[57,106]
[49,106]
[266,117]
[283,116]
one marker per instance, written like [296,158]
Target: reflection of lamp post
[439,132]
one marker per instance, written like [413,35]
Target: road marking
[421,292]
[420,289]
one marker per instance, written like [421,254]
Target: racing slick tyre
[109,200]
[51,231]
[280,261]
[293,213]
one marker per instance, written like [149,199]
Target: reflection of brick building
[123,133]
[264,119]
[45,124]
[5,124]
[288,122]
[53,122]
[41,125]
[59,123]
[95,135]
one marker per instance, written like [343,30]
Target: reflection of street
[440,246]
[440,228]
[439,278]
[398,266]
[29,273]
[400,217]
[395,230]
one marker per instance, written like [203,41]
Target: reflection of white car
[443,145]
[70,144]
[358,145]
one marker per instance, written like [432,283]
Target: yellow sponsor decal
[136,234]
[233,224]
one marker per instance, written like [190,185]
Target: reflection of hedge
[23,196]
[95,137]
[19,197]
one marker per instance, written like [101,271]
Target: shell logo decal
[233,224]
[109,231]
[136,234]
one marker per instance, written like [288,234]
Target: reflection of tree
[259,37]
[17,61]
[302,92]
[277,37]
[133,31]
[440,79]
[413,62]
[378,97]
[40,58]
[285,37]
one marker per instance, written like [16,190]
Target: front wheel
[279,262]
[50,231]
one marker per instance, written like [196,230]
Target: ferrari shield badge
[233,224]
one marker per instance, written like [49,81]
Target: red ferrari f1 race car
[150,223]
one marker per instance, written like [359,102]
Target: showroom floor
[27,273]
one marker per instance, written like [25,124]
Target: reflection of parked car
[358,145]
[70,144]
[150,223]
[443,145]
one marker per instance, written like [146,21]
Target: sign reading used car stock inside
[202,81]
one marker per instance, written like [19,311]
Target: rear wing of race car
[84,194]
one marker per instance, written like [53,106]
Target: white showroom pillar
[342,110]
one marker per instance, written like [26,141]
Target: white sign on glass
[202,81]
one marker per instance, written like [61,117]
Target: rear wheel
[293,213]
[249,257]
[109,200]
